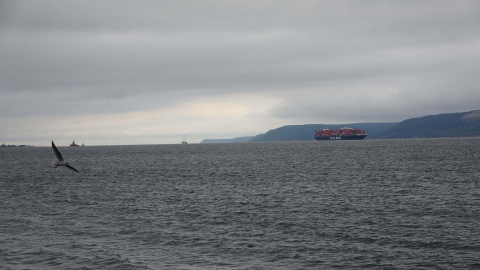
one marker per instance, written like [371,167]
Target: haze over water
[373,204]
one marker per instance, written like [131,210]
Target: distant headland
[13,145]
[462,124]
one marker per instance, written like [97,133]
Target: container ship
[345,133]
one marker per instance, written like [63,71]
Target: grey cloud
[114,56]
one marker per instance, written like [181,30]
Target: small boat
[74,144]
[83,144]
[184,139]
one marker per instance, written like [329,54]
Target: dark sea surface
[372,204]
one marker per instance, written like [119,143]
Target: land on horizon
[464,124]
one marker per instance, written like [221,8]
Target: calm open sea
[372,204]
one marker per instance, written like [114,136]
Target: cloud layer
[274,62]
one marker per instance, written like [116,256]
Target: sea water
[372,204]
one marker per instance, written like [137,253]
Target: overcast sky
[146,72]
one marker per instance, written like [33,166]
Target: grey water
[372,204]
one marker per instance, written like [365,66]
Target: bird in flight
[60,161]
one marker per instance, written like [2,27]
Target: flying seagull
[60,161]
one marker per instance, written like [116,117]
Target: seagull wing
[71,168]
[57,153]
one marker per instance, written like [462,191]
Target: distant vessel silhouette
[74,144]
[184,141]
[345,133]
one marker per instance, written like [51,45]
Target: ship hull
[344,137]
